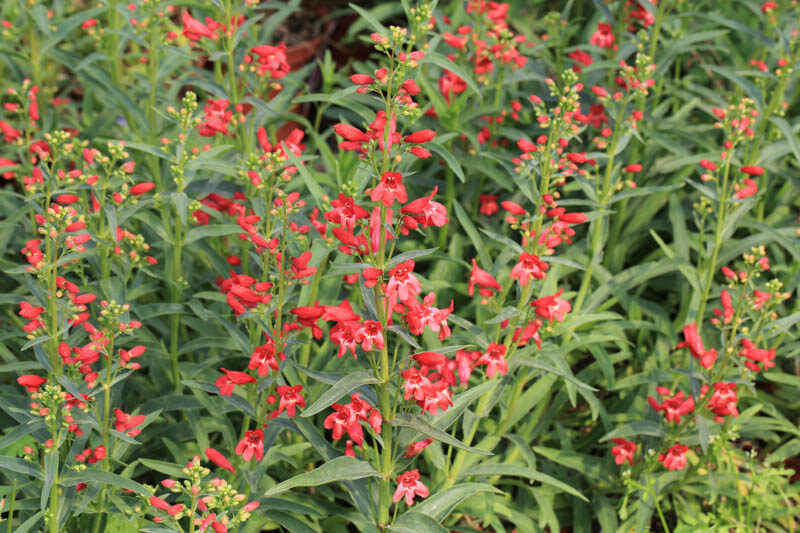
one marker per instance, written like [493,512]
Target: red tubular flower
[488,204]
[351,133]
[28,311]
[227,383]
[361,79]
[290,399]
[159,503]
[390,188]
[435,214]
[31,382]
[402,282]
[495,359]
[300,266]
[218,459]
[723,401]
[750,188]
[675,407]
[263,358]
[141,188]
[727,311]
[272,60]
[752,170]
[513,208]
[485,281]
[603,37]
[369,334]
[408,486]
[194,30]
[126,423]
[623,451]
[675,458]
[528,267]
[756,356]
[695,344]
[420,137]
[416,447]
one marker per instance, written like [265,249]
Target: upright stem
[711,266]
[53,503]
[603,196]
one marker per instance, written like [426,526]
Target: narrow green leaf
[342,387]
[405,256]
[521,471]
[426,428]
[414,522]
[469,227]
[441,504]
[340,469]
[91,475]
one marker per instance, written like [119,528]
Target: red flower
[290,398]
[408,486]
[263,358]
[623,451]
[695,344]
[581,58]
[529,266]
[488,204]
[750,188]
[218,459]
[402,281]
[420,137]
[252,444]
[28,311]
[415,447]
[485,281]
[756,356]
[272,60]
[603,36]
[435,214]
[31,382]
[216,119]
[141,188]
[194,30]
[369,334]
[723,401]
[227,383]
[127,423]
[300,266]
[675,407]
[495,358]
[390,188]
[513,208]
[674,458]
[752,170]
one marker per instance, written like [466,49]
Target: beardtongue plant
[449,304]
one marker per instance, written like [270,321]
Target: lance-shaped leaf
[340,469]
[426,428]
[521,471]
[442,503]
[342,387]
[96,475]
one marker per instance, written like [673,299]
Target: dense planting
[414,267]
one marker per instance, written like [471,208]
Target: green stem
[597,226]
[711,266]
[12,498]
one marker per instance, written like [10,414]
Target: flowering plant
[465,282]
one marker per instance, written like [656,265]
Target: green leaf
[469,227]
[405,256]
[170,469]
[15,464]
[312,184]
[789,135]
[340,469]
[211,230]
[415,522]
[521,471]
[637,428]
[418,423]
[441,504]
[342,387]
[96,475]
[441,61]
[291,523]
[50,473]
[449,158]
[533,363]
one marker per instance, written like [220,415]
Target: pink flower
[550,307]
[674,458]
[370,334]
[408,486]
[623,451]
[251,444]
[402,282]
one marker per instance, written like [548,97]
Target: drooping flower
[486,282]
[528,267]
[550,307]
[416,447]
[227,382]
